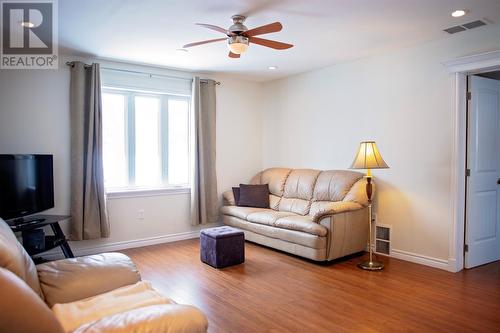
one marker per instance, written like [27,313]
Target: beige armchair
[29,291]
[320,215]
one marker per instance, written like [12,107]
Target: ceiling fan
[239,37]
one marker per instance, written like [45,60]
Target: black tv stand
[40,221]
[26,221]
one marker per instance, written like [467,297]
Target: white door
[482,233]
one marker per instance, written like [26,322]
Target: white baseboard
[117,246]
[420,259]
[452,265]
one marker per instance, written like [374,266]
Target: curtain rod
[72,64]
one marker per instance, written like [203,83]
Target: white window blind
[146,131]
[133,80]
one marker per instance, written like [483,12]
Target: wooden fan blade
[233,55]
[265,29]
[204,42]
[270,43]
[216,28]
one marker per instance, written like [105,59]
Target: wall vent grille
[463,27]
[383,239]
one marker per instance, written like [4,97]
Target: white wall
[34,118]
[403,101]
[239,131]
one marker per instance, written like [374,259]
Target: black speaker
[34,240]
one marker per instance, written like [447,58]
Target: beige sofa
[29,292]
[320,215]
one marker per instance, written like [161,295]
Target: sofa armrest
[21,309]
[332,208]
[229,198]
[69,280]
[347,231]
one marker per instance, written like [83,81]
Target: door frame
[460,68]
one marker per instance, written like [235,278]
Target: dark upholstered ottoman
[222,246]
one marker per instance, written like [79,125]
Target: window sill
[148,192]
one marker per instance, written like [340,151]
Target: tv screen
[26,185]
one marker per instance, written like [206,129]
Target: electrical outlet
[140,214]
[374,217]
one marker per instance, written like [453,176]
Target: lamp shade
[368,157]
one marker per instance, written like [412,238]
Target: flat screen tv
[26,185]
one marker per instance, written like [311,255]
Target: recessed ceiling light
[272,68]
[182,50]
[458,13]
[27,24]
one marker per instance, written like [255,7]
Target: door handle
[498,181]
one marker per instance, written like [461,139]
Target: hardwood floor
[276,292]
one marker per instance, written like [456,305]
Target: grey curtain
[88,202]
[204,200]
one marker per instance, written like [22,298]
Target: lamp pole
[370,264]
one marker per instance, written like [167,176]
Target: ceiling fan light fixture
[237,44]
[238,36]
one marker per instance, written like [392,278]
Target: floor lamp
[368,157]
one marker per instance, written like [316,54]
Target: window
[145,139]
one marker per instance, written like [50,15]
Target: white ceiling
[324,32]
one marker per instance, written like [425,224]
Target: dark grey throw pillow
[236,194]
[254,196]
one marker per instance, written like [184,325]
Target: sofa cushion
[253,196]
[155,318]
[14,258]
[294,205]
[301,223]
[135,296]
[274,201]
[241,212]
[283,220]
[298,191]
[287,246]
[292,236]
[300,184]
[333,185]
[268,216]
[72,279]
[276,178]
